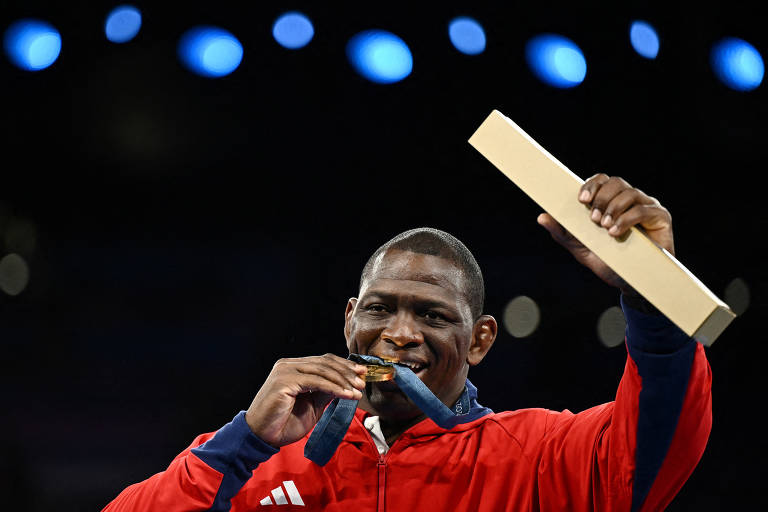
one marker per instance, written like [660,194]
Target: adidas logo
[279,495]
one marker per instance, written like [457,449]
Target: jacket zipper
[381,467]
[382,470]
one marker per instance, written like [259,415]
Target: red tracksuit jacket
[631,454]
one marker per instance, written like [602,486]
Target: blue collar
[334,422]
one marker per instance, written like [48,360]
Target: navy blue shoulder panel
[234,451]
[664,356]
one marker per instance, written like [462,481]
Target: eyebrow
[425,303]
[436,279]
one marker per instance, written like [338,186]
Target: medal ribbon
[335,421]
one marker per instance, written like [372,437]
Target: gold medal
[379,373]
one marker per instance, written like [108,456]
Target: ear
[483,335]
[351,304]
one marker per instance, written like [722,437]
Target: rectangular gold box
[650,270]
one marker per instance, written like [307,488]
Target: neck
[393,429]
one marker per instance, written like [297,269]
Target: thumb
[557,231]
[562,235]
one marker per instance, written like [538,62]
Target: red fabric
[529,459]
[690,438]
[188,484]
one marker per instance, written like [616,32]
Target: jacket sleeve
[205,476]
[637,452]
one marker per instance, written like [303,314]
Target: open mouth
[416,367]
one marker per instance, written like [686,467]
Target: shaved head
[435,242]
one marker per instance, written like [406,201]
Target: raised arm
[637,452]
[634,453]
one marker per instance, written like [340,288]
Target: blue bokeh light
[210,51]
[467,35]
[380,56]
[32,44]
[293,30]
[644,39]
[122,24]
[556,60]
[737,64]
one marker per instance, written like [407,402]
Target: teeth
[413,366]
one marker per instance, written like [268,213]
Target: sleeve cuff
[650,331]
[235,446]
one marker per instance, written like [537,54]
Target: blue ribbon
[335,421]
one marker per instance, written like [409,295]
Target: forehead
[404,269]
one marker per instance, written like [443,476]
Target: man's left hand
[616,206]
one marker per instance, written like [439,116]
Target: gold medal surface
[379,373]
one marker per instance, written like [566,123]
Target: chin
[386,399]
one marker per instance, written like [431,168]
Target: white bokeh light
[14,274]
[611,326]
[737,295]
[521,316]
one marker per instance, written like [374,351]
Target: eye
[377,308]
[433,315]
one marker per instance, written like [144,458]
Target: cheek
[361,335]
[453,355]
[450,353]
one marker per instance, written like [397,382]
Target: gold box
[650,270]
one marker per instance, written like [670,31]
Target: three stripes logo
[279,495]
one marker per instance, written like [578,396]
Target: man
[420,303]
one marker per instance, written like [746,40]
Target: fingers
[592,185]
[650,216]
[321,386]
[328,374]
[344,372]
[611,198]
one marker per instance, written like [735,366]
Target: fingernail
[607,221]
[596,214]
[614,230]
[584,196]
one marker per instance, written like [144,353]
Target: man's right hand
[292,399]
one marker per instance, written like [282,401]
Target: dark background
[187,232]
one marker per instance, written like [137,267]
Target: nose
[403,331]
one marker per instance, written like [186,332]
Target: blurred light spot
[611,326]
[521,316]
[293,30]
[380,56]
[644,39]
[14,274]
[737,64]
[123,23]
[31,44]
[737,295]
[20,236]
[210,51]
[467,35]
[556,60]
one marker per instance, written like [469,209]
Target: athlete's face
[412,309]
